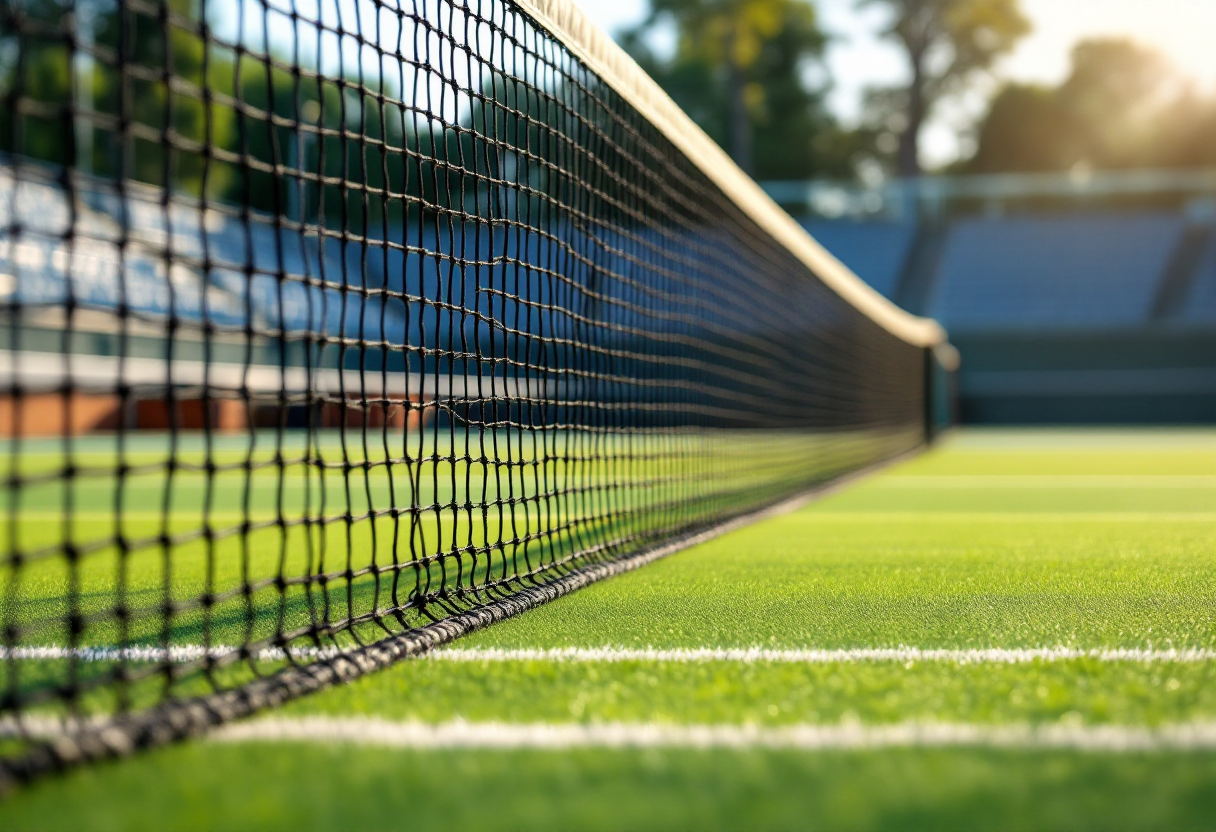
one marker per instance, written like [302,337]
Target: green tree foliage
[740,71]
[169,123]
[233,129]
[39,68]
[1122,106]
[947,43]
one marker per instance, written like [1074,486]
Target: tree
[947,43]
[1027,129]
[43,68]
[740,71]
[1122,106]
[287,121]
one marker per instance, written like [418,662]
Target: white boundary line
[1046,481]
[457,734]
[1021,517]
[583,655]
[176,653]
[496,735]
[759,655]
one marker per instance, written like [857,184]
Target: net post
[930,394]
[941,363]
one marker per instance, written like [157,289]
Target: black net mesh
[324,321]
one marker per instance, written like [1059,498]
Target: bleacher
[1069,300]
[1065,315]
[225,269]
[168,283]
[1053,272]
[165,278]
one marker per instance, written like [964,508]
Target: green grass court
[994,541]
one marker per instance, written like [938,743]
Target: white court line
[497,735]
[1022,517]
[608,654]
[1046,481]
[176,653]
[760,655]
[370,731]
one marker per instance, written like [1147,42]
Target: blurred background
[1039,175]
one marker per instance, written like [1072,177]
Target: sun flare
[1184,30]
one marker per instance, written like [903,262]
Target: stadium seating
[1004,287]
[295,283]
[876,251]
[1077,317]
[1074,271]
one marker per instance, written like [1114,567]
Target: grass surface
[305,787]
[997,539]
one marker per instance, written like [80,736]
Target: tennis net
[333,329]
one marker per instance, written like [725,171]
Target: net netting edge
[73,743]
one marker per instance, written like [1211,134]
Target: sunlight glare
[1184,30]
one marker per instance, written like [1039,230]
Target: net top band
[567,23]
